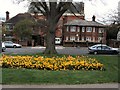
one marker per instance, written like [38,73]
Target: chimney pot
[93,18]
[7,15]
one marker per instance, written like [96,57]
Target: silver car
[3,47]
[102,49]
[10,44]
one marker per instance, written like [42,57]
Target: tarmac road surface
[39,49]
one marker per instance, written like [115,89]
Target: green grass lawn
[30,76]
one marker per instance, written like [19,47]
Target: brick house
[83,33]
[9,24]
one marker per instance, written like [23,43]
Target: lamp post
[4,36]
[77,43]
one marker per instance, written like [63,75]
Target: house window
[78,29]
[82,38]
[93,39]
[99,39]
[11,27]
[101,30]
[7,27]
[72,38]
[78,38]
[89,29]
[88,38]
[73,29]
[66,38]
[93,29]
[83,29]
[67,28]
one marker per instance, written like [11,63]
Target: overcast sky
[95,7]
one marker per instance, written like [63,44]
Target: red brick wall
[84,34]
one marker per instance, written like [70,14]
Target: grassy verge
[29,76]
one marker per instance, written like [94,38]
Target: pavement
[104,85]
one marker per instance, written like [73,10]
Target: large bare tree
[52,10]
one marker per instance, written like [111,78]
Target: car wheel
[14,46]
[115,52]
[95,52]
[2,50]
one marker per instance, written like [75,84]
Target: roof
[77,8]
[84,23]
[19,17]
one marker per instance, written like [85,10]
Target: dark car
[102,49]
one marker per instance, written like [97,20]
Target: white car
[10,44]
[3,47]
[57,40]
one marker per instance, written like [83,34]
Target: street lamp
[77,43]
[4,36]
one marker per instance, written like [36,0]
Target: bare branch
[37,5]
[75,9]
[60,5]
[64,9]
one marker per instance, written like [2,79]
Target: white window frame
[78,29]
[101,30]
[73,29]
[88,38]
[83,39]
[67,38]
[99,39]
[78,38]
[72,38]
[93,39]
[83,29]
[67,28]
[89,29]
[93,29]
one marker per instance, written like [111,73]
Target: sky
[95,7]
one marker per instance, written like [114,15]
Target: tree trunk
[50,39]
[50,44]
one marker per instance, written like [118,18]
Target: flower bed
[53,63]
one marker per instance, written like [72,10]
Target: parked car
[10,44]
[102,49]
[3,47]
[57,40]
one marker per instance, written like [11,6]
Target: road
[38,49]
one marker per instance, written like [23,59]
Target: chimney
[93,18]
[7,15]
[64,19]
[81,7]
